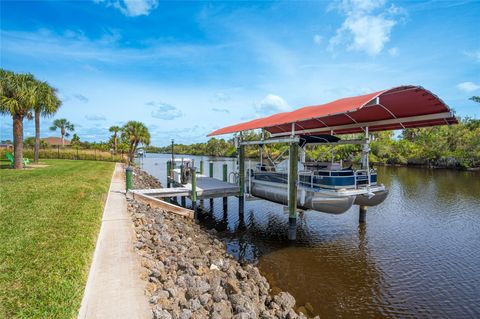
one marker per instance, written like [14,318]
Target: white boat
[177,169]
[322,186]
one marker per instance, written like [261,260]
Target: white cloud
[272,104]
[468,86]
[474,55]
[393,51]
[220,110]
[165,111]
[45,44]
[317,39]
[131,8]
[95,117]
[367,26]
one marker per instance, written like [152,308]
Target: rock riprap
[143,180]
[189,274]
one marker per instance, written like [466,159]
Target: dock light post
[210,169]
[129,178]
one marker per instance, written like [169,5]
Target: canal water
[418,255]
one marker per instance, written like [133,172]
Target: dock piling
[362,215]
[194,192]
[211,205]
[292,191]
[129,178]
[225,175]
[169,166]
[241,169]
[225,204]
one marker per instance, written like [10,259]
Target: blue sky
[187,68]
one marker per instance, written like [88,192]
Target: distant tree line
[454,146]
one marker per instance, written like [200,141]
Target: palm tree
[18,93]
[64,127]
[115,129]
[47,104]
[135,133]
[475,99]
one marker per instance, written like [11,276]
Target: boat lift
[397,108]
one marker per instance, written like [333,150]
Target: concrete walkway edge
[114,288]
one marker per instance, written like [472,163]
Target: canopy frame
[397,108]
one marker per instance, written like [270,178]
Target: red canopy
[401,107]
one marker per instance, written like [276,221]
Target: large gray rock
[285,300]
[222,309]
[159,313]
[186,314]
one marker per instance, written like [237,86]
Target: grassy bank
[49,219]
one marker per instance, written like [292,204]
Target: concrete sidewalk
[114,288]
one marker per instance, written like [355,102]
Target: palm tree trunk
[63,136]
[18,141]
[115,144]
[131,153]
[37,136]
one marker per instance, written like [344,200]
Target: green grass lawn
[49,221]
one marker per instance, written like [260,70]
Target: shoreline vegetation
[454,147]
[189,274]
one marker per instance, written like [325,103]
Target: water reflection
[417,255]
[332,277]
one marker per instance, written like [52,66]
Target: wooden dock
[207,187]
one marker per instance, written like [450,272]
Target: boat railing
[235,176]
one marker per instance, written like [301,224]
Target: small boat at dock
[324,187]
